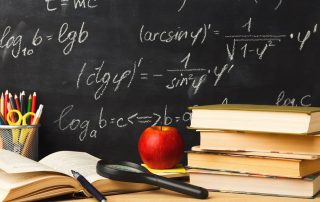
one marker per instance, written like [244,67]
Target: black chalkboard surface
[107,69]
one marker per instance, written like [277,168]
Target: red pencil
[5,110]
[16,100]
[34,104]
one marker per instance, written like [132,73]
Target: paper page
[11,162]
[13,180]
[65,161]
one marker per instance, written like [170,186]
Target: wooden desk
[168,196]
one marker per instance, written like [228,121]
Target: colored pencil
[29,103]
[3,120]
[22,102]
[29,139]
[11,100]
[38,115]
[2,104]
[5,110]
[33,105]
[12,117]
[17,102]
[13,106]
[34,102]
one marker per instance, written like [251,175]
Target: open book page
[11,162]
[35,185]
[65,161]
[13,180]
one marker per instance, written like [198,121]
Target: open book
[22,179]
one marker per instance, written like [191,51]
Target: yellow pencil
[27,147]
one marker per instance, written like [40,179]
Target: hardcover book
[259,118]
[272,166]
[307,187]
[262,142]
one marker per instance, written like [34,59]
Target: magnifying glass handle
[181,187]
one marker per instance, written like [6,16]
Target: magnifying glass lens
[123,168]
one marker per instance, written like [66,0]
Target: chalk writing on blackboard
[90,128]
[182,5]
[302,39]
[247,43]
[284,100]
[102,78]
[77,4]
[177,35]
[14,41]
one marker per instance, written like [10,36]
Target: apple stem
[161,127]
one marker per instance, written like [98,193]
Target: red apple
[161,147]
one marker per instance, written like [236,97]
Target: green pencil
[29,105]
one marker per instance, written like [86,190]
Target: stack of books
[257,149]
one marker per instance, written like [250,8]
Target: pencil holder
[20,139]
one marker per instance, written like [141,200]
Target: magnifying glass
[131,172]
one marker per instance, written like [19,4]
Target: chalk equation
[55,5]
[256,45]
[259,44]
[16,44]
[89,128]
[102,79]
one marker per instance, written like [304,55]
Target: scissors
[132,172]
[17,138]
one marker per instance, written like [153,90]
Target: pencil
[3,120]
[22,103]
[16,100]
[13,106]
[5,110]
[34,104]
[29,104]
[27,147]
[38,115]
[12,117]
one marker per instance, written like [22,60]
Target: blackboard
[107,69]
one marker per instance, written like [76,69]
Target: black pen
[88,186]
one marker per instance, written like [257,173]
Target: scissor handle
[26,116]
[16,123]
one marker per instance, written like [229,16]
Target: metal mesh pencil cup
[20,139]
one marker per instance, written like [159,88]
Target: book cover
[257,118]
[260,142]
[255,184]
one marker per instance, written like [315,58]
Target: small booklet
[22,179]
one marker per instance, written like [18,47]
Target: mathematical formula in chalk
[89,128]
[18,46]
[56,5]
[183,77]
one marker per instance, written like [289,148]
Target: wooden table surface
[168,196]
